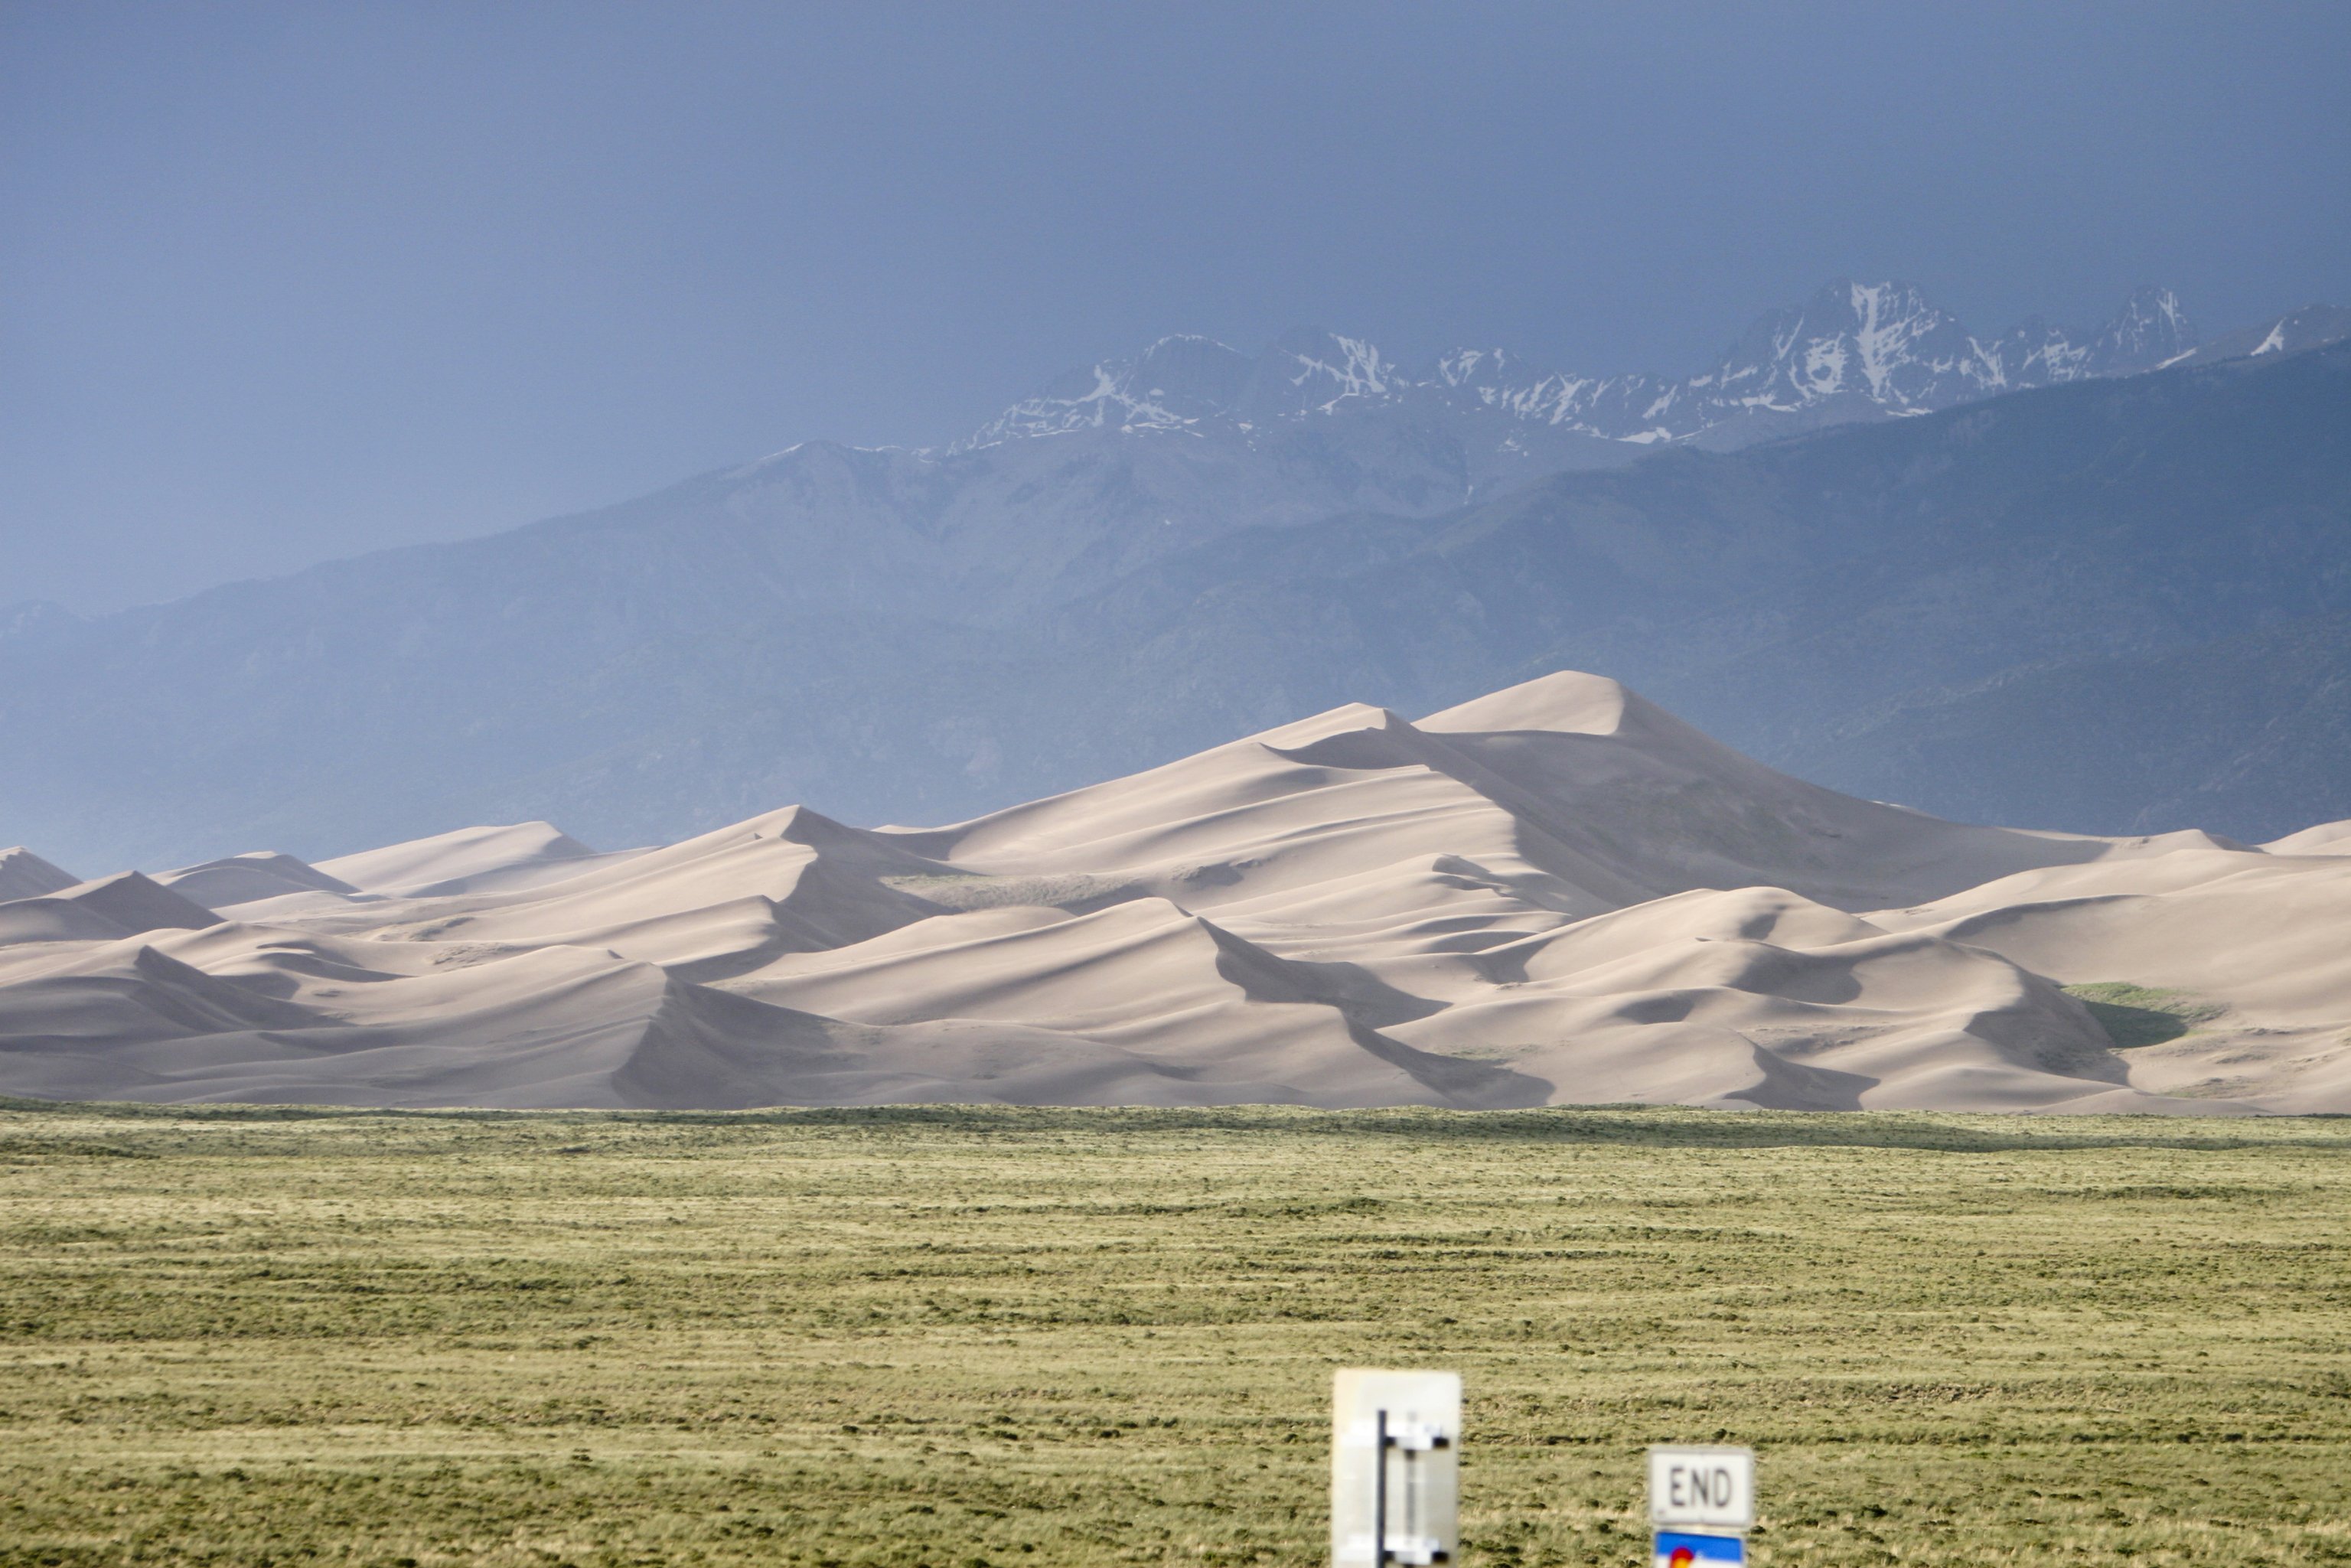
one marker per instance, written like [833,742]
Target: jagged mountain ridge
[1854,351]
[2312,327]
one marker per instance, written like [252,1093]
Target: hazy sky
[280,283]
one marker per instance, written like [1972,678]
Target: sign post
[1701,1506]
[1396,1455]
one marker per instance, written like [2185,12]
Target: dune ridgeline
[1557,893]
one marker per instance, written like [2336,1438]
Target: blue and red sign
[1676,1549]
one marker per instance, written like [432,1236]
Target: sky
[283,283]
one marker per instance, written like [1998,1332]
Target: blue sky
[285,282]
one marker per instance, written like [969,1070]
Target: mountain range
[1855,351]
[1866,545]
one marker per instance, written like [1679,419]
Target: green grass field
[1003,1337]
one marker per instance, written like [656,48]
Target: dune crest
[518,854]
[2326,839]
[249,878]
[1569,700]
[1558,892]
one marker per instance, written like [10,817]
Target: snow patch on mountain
[1174,384]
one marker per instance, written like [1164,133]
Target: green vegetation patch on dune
[2134,1015]
[911,1336]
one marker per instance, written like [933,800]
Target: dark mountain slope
[2252,731]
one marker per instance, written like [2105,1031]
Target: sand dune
[2327,839]
[135,901]
[1555,893]
[248,879]
[2248,949]
[24,875]
[51,920]
[520,854]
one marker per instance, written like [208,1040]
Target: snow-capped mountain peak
[1855,351]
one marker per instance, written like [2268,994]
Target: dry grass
[953,1337]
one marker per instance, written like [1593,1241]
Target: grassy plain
[902,1337]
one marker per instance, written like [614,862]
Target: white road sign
[1395,1453]
[1702,1488]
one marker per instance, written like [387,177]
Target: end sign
[1702,1488]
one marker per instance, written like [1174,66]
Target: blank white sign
[1395,1453]
[1693,1486]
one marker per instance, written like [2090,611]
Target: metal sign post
[1701,1505]
[1395,1446]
